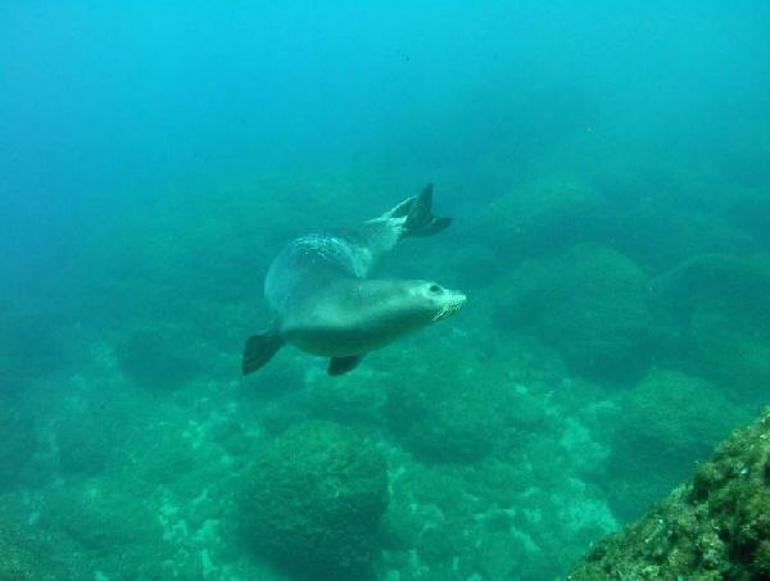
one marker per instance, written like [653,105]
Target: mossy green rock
[544,216]
[101,516]
[716,526]
[314,501]
[730,353]
[457,422]
[668,422]
[347,399]
[19,562]
[591,304]
[720,305]
[87,440]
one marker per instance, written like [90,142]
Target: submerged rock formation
[314,501]
[716,526]
[719,306]
[665,423]
[589,303]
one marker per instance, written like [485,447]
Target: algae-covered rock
[450,424]
[666,423]
[20,561]
[95,514]
[591,304]
[729,353]
[458,421]
[544,216]
[655,234]
[314,501]
[737,285]
[717,526]
[351,398]
[103,525]
[720,306]
[87,439]
[597,313]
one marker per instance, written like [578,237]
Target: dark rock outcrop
[717,526]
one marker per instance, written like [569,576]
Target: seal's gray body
[325,304]
[311,263]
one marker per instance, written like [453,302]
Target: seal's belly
[336,341]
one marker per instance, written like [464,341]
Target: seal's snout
[453,302]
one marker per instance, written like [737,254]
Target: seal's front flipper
[341,365]
[420,220]
[259,349]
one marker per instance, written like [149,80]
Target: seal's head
[401,306]
[362,315]
[424,302]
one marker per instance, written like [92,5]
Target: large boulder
[314,500]
[540,217]
[665,424]
[717,526]
[105,525]
[589,303]
[596,313]
[451,407]
[21,560]
[87,439]
[719,306]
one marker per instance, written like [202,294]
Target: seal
[325,304]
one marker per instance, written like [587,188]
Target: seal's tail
[259,349]
[418,214]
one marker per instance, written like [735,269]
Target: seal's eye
[434,288]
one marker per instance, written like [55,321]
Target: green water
[607,166]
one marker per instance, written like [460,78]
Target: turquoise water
[607,166]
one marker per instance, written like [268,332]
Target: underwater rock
[666,423]
[720,307]
[93,513]
[738,285]
[659,236]
[314,500]
[597,314]
[453,421]
[20,562]
[490,520]
[717,526]
[87,440]
[543,217]
[347,399]
[735,357]
[590,303]
[430,523]
[282,413]
[451,426]
[101,524]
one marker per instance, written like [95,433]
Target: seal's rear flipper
[341,365]
[259,349]
[420,220]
